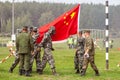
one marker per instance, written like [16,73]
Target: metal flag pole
[13,17]
[1,25]
[78,19]
[13,34]
[107,34]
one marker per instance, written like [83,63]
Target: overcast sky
[111,2]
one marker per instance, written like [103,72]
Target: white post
[107,34]
[13,38]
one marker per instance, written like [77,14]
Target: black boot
[27,73]
[54,72]
[30,70]
[77,71]
[83,72]
[20,72]
[97,73]
[40,71]
[11,70]
[23,71]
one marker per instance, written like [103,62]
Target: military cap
[52,28]
[88,31]
[31,27]
[35,29]
[25,27]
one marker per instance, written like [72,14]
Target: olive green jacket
[24,43]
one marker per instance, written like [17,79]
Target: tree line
[92,16]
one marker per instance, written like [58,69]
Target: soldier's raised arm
[44,39]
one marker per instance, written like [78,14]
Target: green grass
[65,66]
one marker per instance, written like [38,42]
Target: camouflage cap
[35,29]
[52,28]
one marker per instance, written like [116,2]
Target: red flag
[66,24]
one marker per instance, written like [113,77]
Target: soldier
[46,43]
[79,55]
[31,30]
[24,46]
[89,54]
[14,64]
[36,54]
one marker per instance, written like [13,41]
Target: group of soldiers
[27,49]
[85,53]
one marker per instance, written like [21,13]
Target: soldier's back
[23,41]
[89,45]
[80,42]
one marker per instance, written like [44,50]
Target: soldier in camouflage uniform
[79,55]
[89,54]
[46,43]
[16,62]
[36,54]
[24,45]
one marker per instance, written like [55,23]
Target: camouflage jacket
[24,43]
[89,45]
[80,44]
[34,37]
[46,41]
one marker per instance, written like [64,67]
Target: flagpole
[78,19]
[13,32]
[13,37]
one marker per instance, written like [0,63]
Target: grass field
[65,66]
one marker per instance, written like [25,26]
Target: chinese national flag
[66,24]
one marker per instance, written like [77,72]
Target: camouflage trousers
[92,63]
[78,60]
[37,60]
[47,57]
[15,63]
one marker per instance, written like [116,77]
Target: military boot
[54,72]
[75,67]
[20,72]
[27,73]
[40,71]
[30,70]
[97,73]
[23,71]
[11,70]
[77,71]
[83,72]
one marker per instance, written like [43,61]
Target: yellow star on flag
[72,15]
